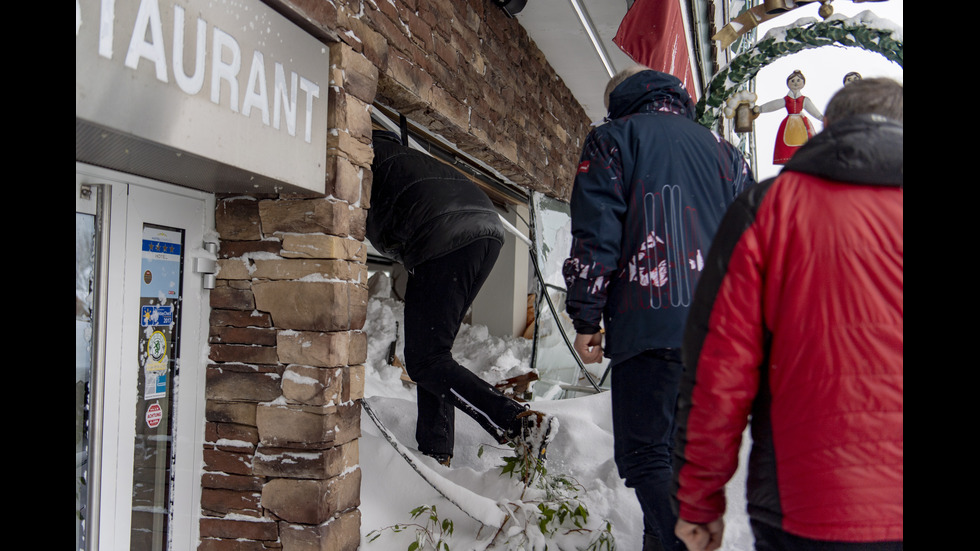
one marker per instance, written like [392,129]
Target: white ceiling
[557,30]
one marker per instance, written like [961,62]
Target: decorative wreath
[861,31]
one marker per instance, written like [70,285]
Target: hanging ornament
[741,108]
[851,77]
[825,10]
[796,129]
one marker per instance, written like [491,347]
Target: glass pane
[84,284]
[159,319]
[558,369]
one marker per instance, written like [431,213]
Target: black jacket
[864,149]
[422,208]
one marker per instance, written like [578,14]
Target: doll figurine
[795,129]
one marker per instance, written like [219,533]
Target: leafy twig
[434,532]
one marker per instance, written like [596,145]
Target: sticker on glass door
[159,292]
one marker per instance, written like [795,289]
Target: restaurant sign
[234,83]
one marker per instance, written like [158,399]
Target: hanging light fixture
[511,7]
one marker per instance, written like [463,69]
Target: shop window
[557,372]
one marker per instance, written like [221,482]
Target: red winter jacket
[798,323]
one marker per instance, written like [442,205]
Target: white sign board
[233,82]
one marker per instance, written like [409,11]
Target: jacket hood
[864,149]
[650,91]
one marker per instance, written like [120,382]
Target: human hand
[589,347]
[700,537]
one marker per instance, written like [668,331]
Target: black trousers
[770,538]
[644,395]
[437,296]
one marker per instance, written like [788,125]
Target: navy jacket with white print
[651,188]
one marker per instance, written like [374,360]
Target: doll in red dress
[795,129]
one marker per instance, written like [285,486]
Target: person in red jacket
[797,324]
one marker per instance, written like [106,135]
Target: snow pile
[582,451]
[494,359]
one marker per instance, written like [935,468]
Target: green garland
[836,31]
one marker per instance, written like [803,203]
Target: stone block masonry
[286,371]
[286,374]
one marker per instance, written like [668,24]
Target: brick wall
[286,343]
[466,71]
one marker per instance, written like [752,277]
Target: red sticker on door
[154,414]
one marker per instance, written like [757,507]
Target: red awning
[654,34]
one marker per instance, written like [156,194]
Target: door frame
[129,202]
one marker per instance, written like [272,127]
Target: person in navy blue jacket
[651,188]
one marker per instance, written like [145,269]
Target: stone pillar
[287,349]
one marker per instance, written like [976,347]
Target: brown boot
[443,458]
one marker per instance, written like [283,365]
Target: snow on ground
[581,451]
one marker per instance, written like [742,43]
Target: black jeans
[770,538]
[437,296]
[644,395]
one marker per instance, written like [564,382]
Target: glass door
[157,355]
[86,228]
[141,429]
